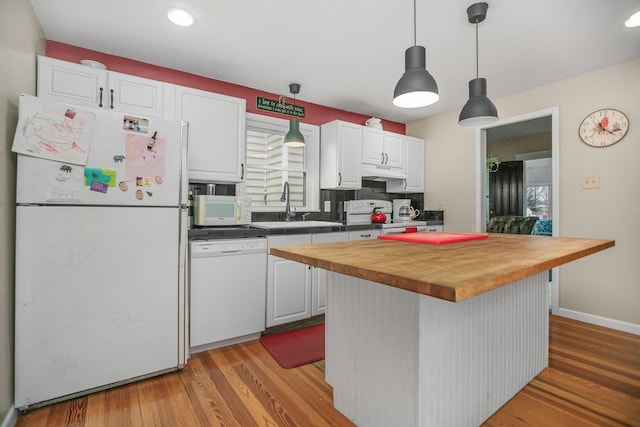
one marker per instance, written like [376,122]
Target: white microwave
[221,210]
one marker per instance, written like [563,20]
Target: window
[270,164]
[538,201]
[537,178]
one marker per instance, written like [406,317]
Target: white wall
[21,39]
[606,284]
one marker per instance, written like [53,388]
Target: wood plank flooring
[593,379]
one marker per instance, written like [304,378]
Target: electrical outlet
[327,205]
[442,206]
[591,181]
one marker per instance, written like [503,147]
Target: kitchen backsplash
[370,190]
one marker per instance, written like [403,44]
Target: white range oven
[358,212]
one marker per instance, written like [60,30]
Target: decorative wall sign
[279,106]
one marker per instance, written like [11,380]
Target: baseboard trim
[11,418]
[619,325]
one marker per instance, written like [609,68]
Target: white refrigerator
[100,250]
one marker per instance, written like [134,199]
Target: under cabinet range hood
[381,173]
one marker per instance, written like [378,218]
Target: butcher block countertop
[454,271]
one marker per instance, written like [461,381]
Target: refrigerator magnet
[139,194]
[135,124]
[123,186]
[100,187]
[104,176]
[143,181]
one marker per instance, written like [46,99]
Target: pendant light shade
[294,137]
[479,110]
[416,88]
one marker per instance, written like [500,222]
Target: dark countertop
[244,231]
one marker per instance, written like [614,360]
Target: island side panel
[476,354]
[372,351]
[396,357]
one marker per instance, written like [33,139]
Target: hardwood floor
[593,379]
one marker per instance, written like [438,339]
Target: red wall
[314,114]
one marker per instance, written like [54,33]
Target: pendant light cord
[477,56]
[414,23]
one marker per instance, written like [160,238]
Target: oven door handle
[400,230]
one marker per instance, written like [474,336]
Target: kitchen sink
[295,224]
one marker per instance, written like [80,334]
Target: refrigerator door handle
[183,291]
[184,163]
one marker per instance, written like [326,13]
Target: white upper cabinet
[217,136]
[340,155]
[380,147]
[414,168]
[94,87]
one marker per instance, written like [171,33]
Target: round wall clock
[603,128]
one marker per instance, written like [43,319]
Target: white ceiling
[350,54]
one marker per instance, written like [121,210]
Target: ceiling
[349,54]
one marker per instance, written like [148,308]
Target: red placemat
[434,238]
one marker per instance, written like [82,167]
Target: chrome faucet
[286,197]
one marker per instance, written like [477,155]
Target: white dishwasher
[227,291]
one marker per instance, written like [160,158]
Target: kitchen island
[436,335]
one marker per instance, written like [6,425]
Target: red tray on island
[434,238]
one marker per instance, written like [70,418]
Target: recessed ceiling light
[180,17]
[633,21]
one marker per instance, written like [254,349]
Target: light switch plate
[590,182]
[327,205]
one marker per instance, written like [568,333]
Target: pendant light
[479,110]
[294,138]
[416,88]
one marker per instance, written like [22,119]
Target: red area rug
[296,347]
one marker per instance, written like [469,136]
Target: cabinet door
[414,168]
[93,87]
[136,95]
[372,146]
[340,156]
[415,165]
[288,284]
[350,153]
[394,145]
[73,83]
[319,275]
[216,134]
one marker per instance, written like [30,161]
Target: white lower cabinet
[288,283]
[296,291]
[364,234]
[319,275]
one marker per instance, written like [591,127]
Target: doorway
[506,189]
[482,190]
